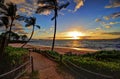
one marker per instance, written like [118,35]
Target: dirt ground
[48,69]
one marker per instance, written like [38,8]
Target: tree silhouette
[8,14]
[23,37]
[55,6]
[8,10]
[31,21]
[4,39]
[14,36]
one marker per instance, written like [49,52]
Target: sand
[61,50]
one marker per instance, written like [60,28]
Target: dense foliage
[106,62]
[13,57]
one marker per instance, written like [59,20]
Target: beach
[60,50]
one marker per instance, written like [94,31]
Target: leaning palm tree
[51,5]
[30,22]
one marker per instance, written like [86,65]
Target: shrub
[13,57]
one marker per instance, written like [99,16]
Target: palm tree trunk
[4,43]
[29,38]
[12,19]
[53,43]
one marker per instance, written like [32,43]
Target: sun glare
[75,34]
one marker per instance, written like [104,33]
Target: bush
[13,57]
[106,62]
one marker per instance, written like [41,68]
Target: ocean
[90,44]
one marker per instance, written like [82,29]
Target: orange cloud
[113,4]
[79,3]
[16,1]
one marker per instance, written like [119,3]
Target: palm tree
[8,10]
[31,22]
[4,39]
[52,5]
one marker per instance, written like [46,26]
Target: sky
[82,19]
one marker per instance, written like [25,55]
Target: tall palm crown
[8,12]
[51,5]
[4,22]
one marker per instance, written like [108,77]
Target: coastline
[61,50]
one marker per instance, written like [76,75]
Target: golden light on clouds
[75,34]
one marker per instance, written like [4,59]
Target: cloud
[22,9]
[16,1]
[98,20]
[112,33]
[24,6]
[51,28]
[79,3]
[106,17]
[108,26]
[98,28]
[112,16]
[115,15]
[113,4]
[112,23]
[46,12]
[18,28]
[22,32]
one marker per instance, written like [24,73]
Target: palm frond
[3,7]
[12,9]
[2,12]
[37,26]
[5,21]
[27,25]
[2,1]
[44,8]
[20,18]
[30,21]
[63,6]
[45,1]
[55,15]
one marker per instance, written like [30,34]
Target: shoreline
[61,50]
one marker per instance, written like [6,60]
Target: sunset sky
[84,19]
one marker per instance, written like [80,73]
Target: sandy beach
[61,50]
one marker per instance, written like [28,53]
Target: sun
[75,34]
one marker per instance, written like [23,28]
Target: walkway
[47,68]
